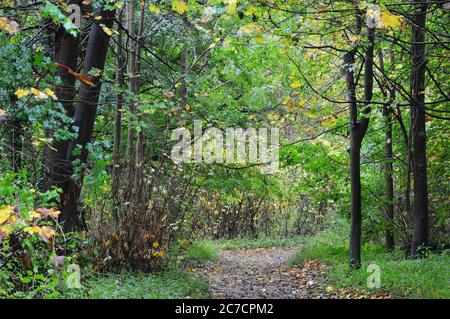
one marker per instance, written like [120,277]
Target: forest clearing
[224,149]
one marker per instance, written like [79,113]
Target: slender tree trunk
[117,126]
[388,167]
[84,117]
[131,73]
[389,180]
[355,149]
[358,129]
[418,129]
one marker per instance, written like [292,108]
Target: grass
[202,251]
[263,242]
[403,278]
[169,284]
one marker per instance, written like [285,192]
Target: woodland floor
[266,273]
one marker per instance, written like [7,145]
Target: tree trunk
[355,178]
[84,117]
[388,167]
[56,169]
[389,180]
[131,73]
[117,126]
[418,129]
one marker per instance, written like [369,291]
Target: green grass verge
[245,243]
[404,278]
[169,284]
[202,251]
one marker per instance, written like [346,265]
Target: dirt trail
[262,273]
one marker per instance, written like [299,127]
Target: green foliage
[202,251]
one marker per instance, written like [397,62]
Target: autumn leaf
[38,94]
[179,6]
[85,79]
[20,93]
[153,8]
[5,212]
[107,30]
[155,244]
[296,85]
[45,212]
[50,93]
[389,20]
[32,230]
[286,100]
[46,233]
[158,254]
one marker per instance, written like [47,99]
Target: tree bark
[56,169]
[117,126]
[355,176]
[84,117]
[418,129]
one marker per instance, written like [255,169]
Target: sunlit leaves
[389,20]
[179,7]
[20,93]
[5,212]
[153,8]
[107,30]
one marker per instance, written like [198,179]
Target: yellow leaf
[154,9]
[107,30]
[330,288]
[48,232]
[21,93]
[6,229]
[389,20]
[155,244]
[158,253]
[35,214]
[38,94]
[291,107]
[188,108]
[179,7]
[50,93]
[286,100]
[5,212]
[296,85]
[32,230]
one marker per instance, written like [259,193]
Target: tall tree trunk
[418,129]
[355,176]
[389,180]
[84,117]
[358,129]
[131,73]
[117,125]
[56,169]
[140,143]
[388,167]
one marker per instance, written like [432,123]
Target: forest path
[262,273]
